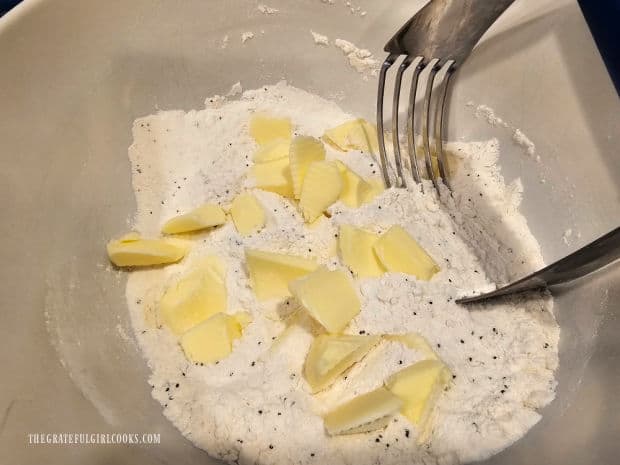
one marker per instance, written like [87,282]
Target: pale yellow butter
[270,273]
[274,150]
[419,386]
[247,214]
[212,340]
[131,250]
[398,251]
[205,216]
[414,341]
[357,134]
[274,176]
[265,128]
[364,413]
[331,355]
[329,297]
[356,250]
[303,151]
[355,190]
[321,188]
[195,297]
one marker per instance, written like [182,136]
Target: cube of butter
[398,251]
[247,214]
[274,176]
[357,134]
[331,355]
[364,413]
[212,340]
[270,273]
[321,188]
[303,151]
[355,190]
[419,386]
[356,250]
[265,128]
[274,150]
[195,297]
[131,250]
[329,297]
[416,342]
[205,216]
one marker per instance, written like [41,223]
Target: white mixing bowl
[73,77]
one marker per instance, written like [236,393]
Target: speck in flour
[254,406]
[245,36]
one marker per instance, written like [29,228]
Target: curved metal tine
[400,181]
[426,120]
[389,61]
[442,162]
[413,158]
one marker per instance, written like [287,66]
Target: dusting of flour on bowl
[255,406]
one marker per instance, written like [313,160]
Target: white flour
[246,36]
[360,59]
[267,10]
[319,39]
[518,136]
[254,406]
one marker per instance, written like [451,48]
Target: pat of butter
[357,134]
[195,297]
[321,188]
[365,413]
[274,150]
[414,341]
[131,250]
[328,296]
[270,273]
[274,176]
[212,340]
[398,251]
[265,129]
[355,190]
[247,214]
[205,216]
[331,355]
[355,248]
[419,386]
[303,151]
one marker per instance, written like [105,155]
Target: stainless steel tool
[595,255]
[439,36]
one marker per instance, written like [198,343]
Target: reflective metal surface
[594,256]
[73,77]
